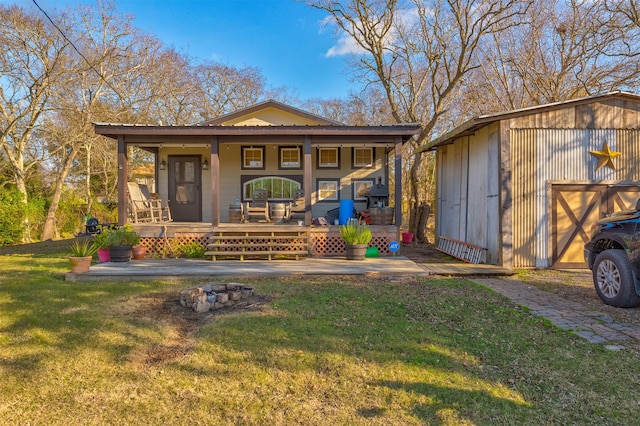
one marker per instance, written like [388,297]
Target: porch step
[257,243]
[460,250]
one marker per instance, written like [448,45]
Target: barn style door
[574,209]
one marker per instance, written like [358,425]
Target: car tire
[613,279]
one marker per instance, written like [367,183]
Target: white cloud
[346,45]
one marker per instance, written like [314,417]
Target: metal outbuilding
[526,185]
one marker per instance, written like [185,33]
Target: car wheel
[613,279]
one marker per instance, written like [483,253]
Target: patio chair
[143,208]
[298,206]
[258,206]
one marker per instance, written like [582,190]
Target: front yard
[313,351]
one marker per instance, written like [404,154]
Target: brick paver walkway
[594,326]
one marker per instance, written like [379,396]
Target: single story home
[206,171]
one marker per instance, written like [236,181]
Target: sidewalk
[594,326]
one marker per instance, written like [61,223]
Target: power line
[77,50]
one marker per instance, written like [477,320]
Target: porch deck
[256,239]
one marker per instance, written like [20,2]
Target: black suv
[613,254]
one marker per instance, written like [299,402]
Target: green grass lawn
[337,351]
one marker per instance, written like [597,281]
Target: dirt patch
[425,253]
[178,323]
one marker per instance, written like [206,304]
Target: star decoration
[605,157]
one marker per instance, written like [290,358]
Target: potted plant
[81,254]
[100,241]
[120,242]
[356,237]
[138,252]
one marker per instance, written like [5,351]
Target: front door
[185,188]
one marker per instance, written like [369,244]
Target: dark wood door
[575,208]
[185,188]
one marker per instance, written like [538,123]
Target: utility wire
[77,50]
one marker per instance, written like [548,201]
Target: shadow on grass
[42,316]
[333,329]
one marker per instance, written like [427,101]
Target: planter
[138,252]
[120,253]
[103,255]
[407,237]
[381,215]
[356,251]
[80,265]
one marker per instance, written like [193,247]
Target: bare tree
[419,52]
[225,89]
[33,61]
[358,109]
[566,50]
[119,74]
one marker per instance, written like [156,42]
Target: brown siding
[606,114]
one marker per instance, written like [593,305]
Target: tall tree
[110,68]
[419,53]
[33,61]
[566,50]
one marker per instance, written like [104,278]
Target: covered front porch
[210,181]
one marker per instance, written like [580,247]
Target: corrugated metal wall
[543,156]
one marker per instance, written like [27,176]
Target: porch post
[215,181]
[398,183]
[122,181]
[306,180]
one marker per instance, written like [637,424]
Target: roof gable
[471,126]
[270,113]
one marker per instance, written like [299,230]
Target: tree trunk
[424,210]
[49,223]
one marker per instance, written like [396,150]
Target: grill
[378,196]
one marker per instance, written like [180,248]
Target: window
[289,157]
[361,189]
[280,188]
[362,157]
[252,157]
[328,190]
[328,158]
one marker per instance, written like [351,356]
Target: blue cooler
[346,211]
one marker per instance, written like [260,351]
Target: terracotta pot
[139,252]
[80,265]
[103,255]
[356,251]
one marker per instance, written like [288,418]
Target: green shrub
[12,216]
[191,250]
[123,236]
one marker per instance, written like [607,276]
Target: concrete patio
[177,269]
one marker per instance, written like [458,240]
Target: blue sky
[285,39]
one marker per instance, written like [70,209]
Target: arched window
[280,188]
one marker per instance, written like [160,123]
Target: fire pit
[214,296]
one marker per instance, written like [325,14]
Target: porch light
[205,165]
[163,165]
